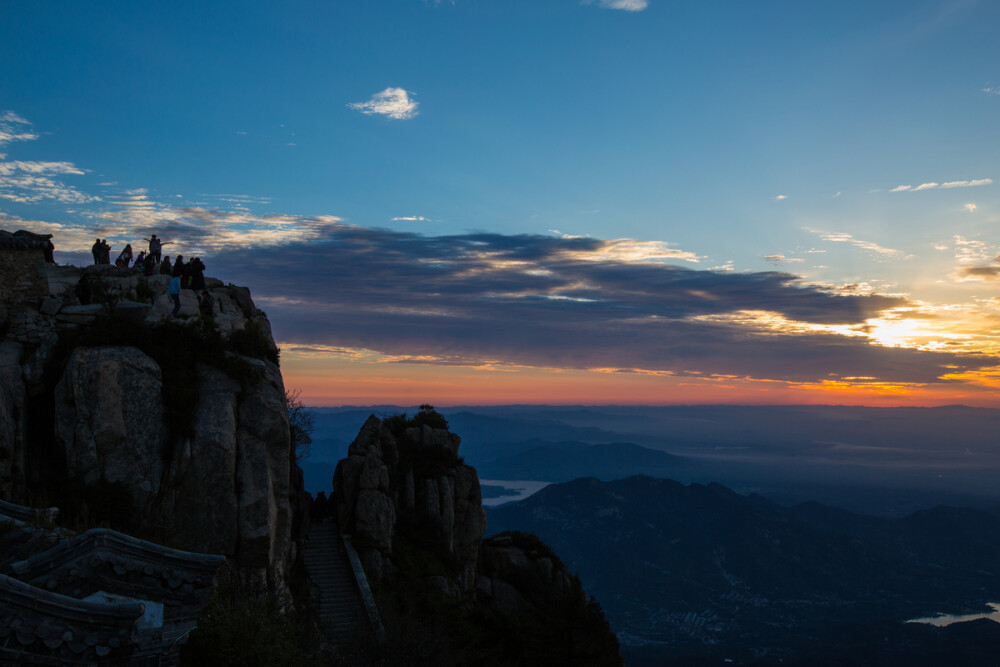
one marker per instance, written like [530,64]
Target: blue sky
[849,144]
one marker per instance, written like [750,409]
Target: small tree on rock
[300,423]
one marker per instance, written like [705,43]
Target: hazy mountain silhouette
[713,574]
[564,461]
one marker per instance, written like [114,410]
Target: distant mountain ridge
[713,574]
[564,461]
[888,461]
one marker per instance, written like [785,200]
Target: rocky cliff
[414,509]
[174,429]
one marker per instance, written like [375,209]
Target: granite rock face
[416,480]
[109,420]
[97,415]
[226,489]
[414,510]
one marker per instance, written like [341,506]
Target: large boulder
[109,420]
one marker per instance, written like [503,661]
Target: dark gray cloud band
[563,302]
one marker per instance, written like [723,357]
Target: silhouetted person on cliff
[97,250]
[105,252]
[320,508]
[196,273]
[125,257]
[165,268]
[155,247]
[149,265]
[180,270]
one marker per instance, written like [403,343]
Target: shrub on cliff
[426,414]
[247,630]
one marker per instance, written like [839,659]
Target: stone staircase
[327,565]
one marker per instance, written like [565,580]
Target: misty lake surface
[513,490]
[941,620]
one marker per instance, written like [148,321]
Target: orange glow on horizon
[353,377]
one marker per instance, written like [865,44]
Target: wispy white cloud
[971,251]
[967,184]
[412,218]
[32,187]
[780,259]
[625,5]
[391,103]
[992,90]
[931,185]
[630,250]
[14,128]
[970,207]
[781,198]
[28,182]
[841,237]
[10,168]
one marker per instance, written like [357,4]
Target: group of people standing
[184,275]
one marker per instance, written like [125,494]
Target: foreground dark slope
[715,574]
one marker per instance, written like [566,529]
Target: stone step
[327,566]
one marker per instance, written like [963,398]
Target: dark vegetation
[300,423]
[426,414]
[247,628]
[423,461]
[427,628]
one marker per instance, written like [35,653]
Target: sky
[542,201]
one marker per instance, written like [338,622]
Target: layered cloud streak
[571,303]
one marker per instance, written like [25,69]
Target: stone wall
[22,276]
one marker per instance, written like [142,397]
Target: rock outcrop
[181,423]
[415,483]
[414,509]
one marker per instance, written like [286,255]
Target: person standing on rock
[180,269]
[155,247]
[196,271]
[126,256]
[97,251]
[174,292]
[165,268]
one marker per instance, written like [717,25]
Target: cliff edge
[172,429]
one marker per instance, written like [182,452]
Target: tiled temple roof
[44,618]
[44,623]
[103,559]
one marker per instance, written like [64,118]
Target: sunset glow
[676,203]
